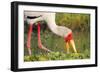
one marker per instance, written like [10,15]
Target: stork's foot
[29,51]
[44,48]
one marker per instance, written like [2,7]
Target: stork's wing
[33,17]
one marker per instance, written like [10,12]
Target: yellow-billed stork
[33,17]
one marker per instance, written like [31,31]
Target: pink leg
[39,40]
[29,40]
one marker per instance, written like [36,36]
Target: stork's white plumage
[33,17]
[50,19]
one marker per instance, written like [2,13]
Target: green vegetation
[55,56]
[80,25]
[74,21]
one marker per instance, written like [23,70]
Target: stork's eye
[33,17]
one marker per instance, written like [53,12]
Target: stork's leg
[39,40]
[29,40]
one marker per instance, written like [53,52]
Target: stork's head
[68,37]
[67,40]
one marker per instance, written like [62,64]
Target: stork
[34,17]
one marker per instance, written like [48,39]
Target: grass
[55,56]
[57,45]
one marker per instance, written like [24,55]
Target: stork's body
[33,17]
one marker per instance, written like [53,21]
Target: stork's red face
[68,37]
